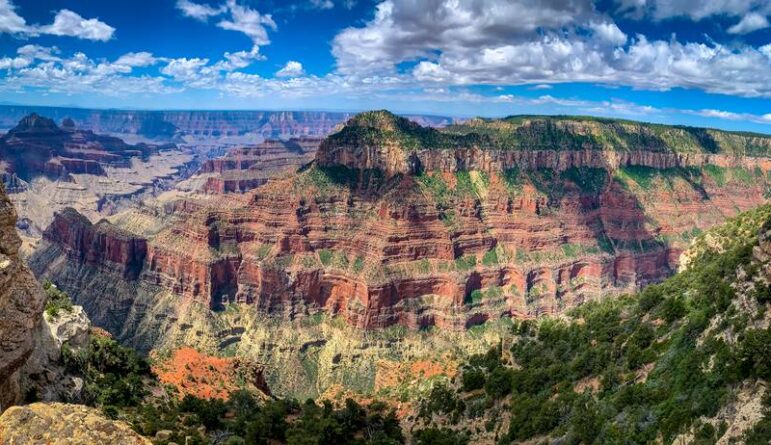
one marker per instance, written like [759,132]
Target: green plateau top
[547,133]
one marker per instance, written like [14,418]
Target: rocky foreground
[60,424]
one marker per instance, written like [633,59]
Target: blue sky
[674,61]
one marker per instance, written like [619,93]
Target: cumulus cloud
[291,69]
[10,21]
[68,23]
[44,68]
[749,23]
[730,115]
[139,59]
[198,11]
[248,21]
[465,43]
[235,18]
[408,30]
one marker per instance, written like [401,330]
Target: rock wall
[100,245]
[394,160]
[21,306]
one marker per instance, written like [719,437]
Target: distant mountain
[165,125]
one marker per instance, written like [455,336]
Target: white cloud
[500,42]
[10,21]
[139,59]
[184,69]
[407,30]
[45,53]
[66,23]
[239,59]
[248,21]
[609,32]
[198,11]
[7,63]
[43,68]
[291,69]
[749,23]
[236,17]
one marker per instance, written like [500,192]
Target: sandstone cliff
[21,306]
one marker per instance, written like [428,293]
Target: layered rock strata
[416,235]
[246,168]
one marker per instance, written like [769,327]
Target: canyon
[396,225]
[46,167]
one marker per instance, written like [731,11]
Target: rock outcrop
[59,424]
[21,306]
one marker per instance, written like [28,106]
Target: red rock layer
[98,245]
[269,251]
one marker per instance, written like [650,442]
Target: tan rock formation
[60,424]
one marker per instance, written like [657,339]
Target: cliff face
[21,305]
[450,244]
[382,141]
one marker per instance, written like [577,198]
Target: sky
[704,63]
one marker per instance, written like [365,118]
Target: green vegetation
[725,175]
[581,133]
[113,376]
[56,300]
[328,180]
[636,369]
[546,133]
[244,419]
[465,262]
[378,127]
[591,181]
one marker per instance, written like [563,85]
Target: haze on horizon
[703,63]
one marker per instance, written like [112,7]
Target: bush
[440,436]
[56,300]
[473,379]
